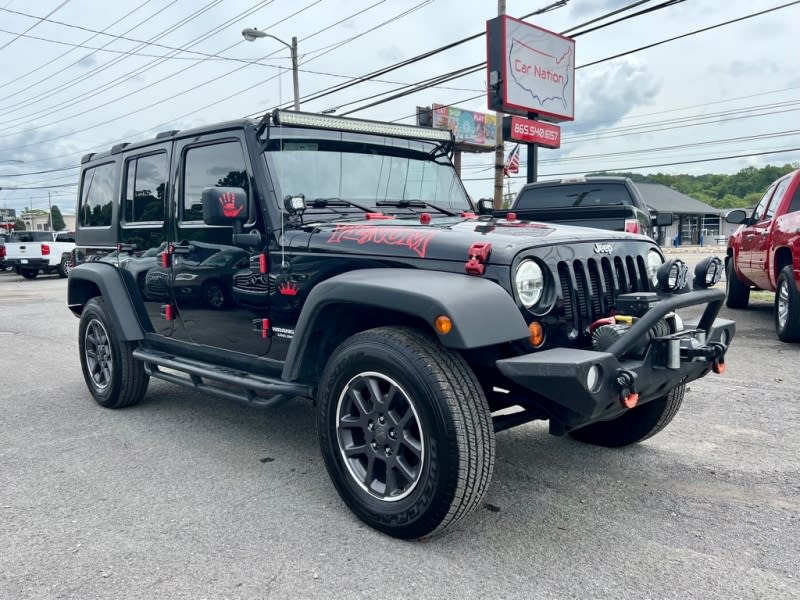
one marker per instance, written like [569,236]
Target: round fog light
[724,337]
[593,378]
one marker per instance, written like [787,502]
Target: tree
[56,219]
[19,225]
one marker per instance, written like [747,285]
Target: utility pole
[499,153]
[49,213]
[295,74]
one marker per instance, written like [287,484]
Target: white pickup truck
[34,252]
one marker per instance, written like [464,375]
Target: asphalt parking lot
[188,496]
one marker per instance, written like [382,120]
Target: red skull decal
[229,208]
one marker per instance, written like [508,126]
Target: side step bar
[257,390]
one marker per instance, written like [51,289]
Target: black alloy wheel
[379,436]
[97,351]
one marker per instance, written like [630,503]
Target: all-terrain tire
[787,306]
[405,431]
[114,378]
[737,294]
[635,425]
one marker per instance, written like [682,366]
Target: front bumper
[564,376]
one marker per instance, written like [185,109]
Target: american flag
[512,164]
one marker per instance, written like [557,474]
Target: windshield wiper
[414,204]
[333,201]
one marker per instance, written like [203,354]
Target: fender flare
[482,312]
[105,277]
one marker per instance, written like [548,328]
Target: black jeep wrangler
[340,260]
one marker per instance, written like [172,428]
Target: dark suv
[340,260]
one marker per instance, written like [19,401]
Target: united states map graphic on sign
[550,80]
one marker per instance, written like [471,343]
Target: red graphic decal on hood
[412,239]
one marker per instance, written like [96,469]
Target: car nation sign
[530,70]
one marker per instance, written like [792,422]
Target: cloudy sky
[93,73]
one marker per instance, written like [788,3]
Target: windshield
[364,173]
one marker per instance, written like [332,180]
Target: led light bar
[315,121]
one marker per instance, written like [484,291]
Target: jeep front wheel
[787,307]
[405,431]
[635,425]
[114,378]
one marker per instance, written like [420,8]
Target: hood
[446,238]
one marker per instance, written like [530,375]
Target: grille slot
[589,287]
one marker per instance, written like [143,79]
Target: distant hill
[741,189]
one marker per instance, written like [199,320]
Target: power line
[652,166]
[38,22]
[214,80]
[63,54]
[478,67]
[97,70]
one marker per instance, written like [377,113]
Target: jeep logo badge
[603,248]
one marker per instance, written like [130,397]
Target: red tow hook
[478,255]
[719,366]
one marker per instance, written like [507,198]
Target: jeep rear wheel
[737,294]
[405,431]
[787,307]
[114,378]
[635,425]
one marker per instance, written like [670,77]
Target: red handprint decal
[229,208]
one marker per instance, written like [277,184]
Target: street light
[251,34]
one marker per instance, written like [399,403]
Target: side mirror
[663,219]
[224,206]
[737,217]
[485,206]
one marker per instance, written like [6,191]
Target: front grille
[589,288]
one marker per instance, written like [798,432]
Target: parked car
[613,203]
[32,252]
[764,254]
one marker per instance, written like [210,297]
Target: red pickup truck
[764,254]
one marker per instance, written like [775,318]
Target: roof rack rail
[87,157]
[166,134]
[117,148]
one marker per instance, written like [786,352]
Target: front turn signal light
[537,334]
[443,324]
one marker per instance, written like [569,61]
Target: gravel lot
[188,496]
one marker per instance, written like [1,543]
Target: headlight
[654,262]
[529,282]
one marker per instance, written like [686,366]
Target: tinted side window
[795,205]
[97,195]
[66,237]
[583,194]
[758,213]
[780,191]
[216,165]
[144,191]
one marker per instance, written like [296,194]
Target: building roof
[663,199]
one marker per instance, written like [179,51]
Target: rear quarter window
[582,194]
[98,187]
